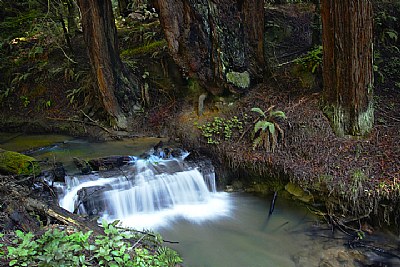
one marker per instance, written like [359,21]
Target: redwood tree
[117,86]
[347,65]
[218,42]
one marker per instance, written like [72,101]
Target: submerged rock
[298,193]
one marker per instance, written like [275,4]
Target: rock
[59,172]
[91,199]
[109,163]
[297,192]
[229,188]
[17,163]
[294,190]
[82,165]
[200,109]
[239,79]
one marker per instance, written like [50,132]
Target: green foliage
[149,48]
[17,25]
[58,248]
[266,129]
[384,27]
[1,245]
[25,101]
[387,49]
[220,129]
[312,60]
[357,179]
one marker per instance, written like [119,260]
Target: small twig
[145,233]
[138,241]
[272,207]
[123,173]
[95,122]
[81,121]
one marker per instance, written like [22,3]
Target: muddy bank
[349,176]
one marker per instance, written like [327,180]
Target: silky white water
[148,194]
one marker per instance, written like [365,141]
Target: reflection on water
[247,237]
[64,148]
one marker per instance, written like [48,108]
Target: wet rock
[91,199]
[298,193]
[109,163]
[58,172]
[177,152]
[229,188]
[82,165]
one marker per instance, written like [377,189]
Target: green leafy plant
[48,104]
[114,248]
[312,60]
[220,129]
[267,131]
[25,101]
[356,184]
[1,245]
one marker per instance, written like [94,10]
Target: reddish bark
[113,80]
[348,74]
[209,39]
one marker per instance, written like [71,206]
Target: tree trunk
[348,74]
[116,85]
[218,42]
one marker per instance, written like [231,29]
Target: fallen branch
[62,215]
[96,123]
[83,122]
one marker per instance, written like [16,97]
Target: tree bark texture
[347,65]
[116,85]
[219,42]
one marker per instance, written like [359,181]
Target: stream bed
[179,200]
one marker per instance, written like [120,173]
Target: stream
[179,200]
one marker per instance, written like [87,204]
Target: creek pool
[242,234]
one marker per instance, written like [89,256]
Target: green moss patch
[16,163]
[239,79]
[145,49]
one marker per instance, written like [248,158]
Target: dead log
[19,210]
[61,215]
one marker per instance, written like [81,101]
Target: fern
[267,131]
[258,110]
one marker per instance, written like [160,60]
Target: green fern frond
[262,125]
[271,128]
[278,113]
[259,111]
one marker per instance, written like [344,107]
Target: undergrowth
[117,247]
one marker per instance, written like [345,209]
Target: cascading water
[147,193]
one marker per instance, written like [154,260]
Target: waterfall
[147,194]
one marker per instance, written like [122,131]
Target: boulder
[18,164]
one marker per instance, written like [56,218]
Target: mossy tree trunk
[117,86]
[348,74]
[218,42]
